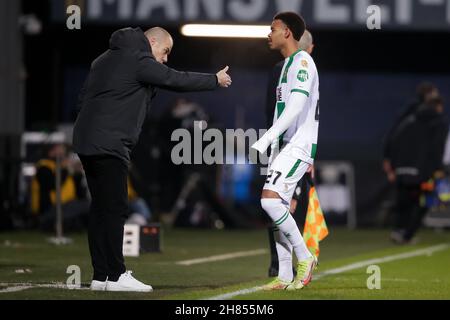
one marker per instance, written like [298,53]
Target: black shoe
[273,272]
[398,237]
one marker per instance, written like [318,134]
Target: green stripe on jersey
[283,79]
[280,109]
[314,151]
[306,93]
[294,168]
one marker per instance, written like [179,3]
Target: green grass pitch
[426,276]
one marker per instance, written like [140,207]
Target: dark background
[366,79]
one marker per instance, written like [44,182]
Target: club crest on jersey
[303,75]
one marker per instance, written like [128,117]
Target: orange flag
[315,227]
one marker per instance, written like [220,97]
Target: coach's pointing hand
[223,78]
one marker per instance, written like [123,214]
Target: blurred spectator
[424,93]
[188,192]
[415,152]
[140,213]
[172,177]
[75,205]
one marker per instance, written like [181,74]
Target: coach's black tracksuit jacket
[118,92]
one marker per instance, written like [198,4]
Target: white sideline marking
[15,287]
[341,279]
[223,257]
[426,251]
[398,280]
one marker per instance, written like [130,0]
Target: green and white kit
[296,125]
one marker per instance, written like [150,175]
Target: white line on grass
[15,287]
[353,266]
[223,257]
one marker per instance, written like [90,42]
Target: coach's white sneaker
[98,285]
[127,282]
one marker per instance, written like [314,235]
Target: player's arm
[274,151]
[294,107]
[298,96]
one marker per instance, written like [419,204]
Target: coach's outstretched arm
[294,107]
[154,73]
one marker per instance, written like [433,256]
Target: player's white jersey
[299,76]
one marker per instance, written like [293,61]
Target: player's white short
[284,174]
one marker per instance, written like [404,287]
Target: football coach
[114,102]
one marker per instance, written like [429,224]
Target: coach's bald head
[161,43]
[306,42]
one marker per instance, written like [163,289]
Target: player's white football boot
[98,285]
[127,282]
[305,269]
[276,284]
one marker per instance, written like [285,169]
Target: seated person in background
[140,213]
[75,205]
